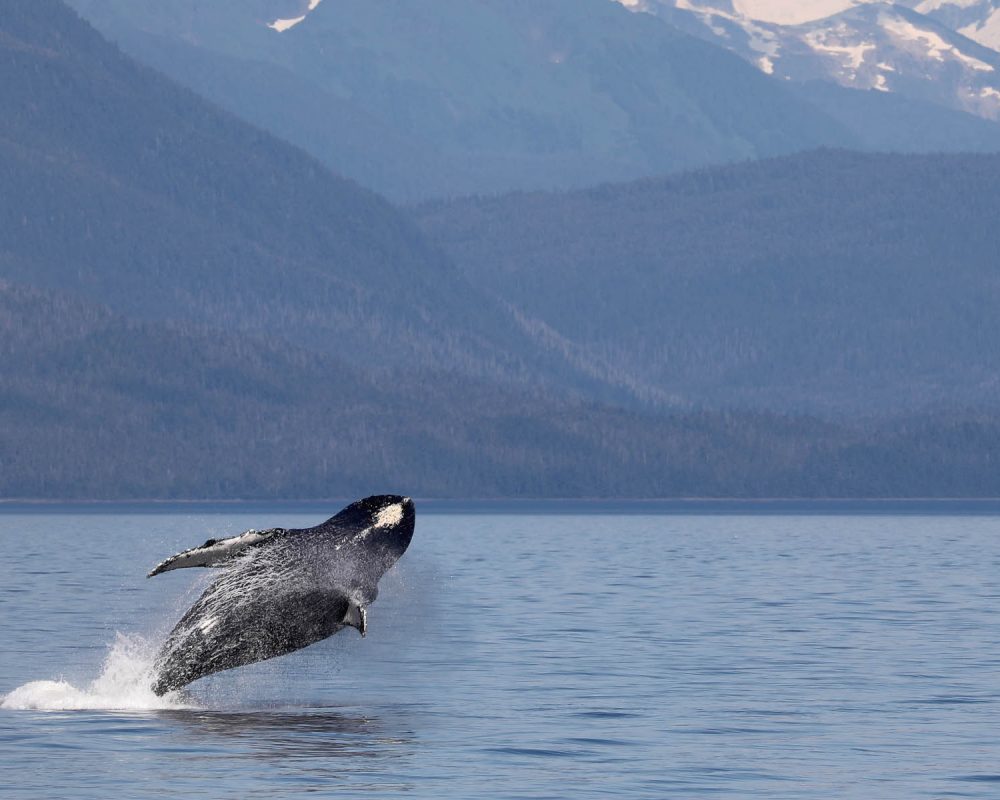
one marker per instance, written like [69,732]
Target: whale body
[282,589]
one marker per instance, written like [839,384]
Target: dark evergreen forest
[93,405]
[829,282]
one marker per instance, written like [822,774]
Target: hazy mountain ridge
[915,50]
[480,95]
[476,96]
[832,281]
[977,19]
[896,124]
[96,406]
[189,213]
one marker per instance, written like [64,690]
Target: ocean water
[522,652]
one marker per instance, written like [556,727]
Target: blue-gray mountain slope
[97,406]
[440,97]
[128,189]
[831,281]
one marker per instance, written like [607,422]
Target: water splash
[125,684]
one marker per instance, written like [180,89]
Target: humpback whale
[282,589]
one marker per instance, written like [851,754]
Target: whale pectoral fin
[357,617]
[215,552]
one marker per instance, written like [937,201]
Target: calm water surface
[528,655]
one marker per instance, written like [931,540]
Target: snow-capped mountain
[427,98]
[977,19]
[285,23]
[931,50]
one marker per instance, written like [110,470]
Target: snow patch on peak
[927,6]
[937,47]
[860,44]
[759,38]
[783,12]
[282,25]
[987,32]
[834,42]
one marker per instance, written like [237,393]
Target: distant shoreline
[925,506]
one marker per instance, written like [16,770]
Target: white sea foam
[123,685]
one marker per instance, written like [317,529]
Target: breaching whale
[282,589]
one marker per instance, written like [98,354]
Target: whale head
[391,528]
[368,536]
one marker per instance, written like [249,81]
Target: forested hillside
[831,282]
[134,192]
[93,405]
[895,123]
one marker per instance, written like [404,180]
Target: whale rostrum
[282,589]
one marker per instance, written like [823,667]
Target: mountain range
[830,282]
[937,51]
[192,307]
[453,97]
[187,213]
[448,97]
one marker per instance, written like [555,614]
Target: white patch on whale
[389,516]
[386,518]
